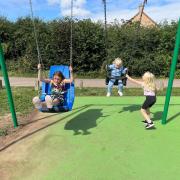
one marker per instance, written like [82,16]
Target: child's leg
[148,112]
[56,102]
[145,110]
[120,87]
[110,85]
[49,101]
[145,115]
[37,102]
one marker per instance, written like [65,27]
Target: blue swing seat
[69,94]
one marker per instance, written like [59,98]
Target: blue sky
[158,10]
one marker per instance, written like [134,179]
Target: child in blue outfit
[116,72]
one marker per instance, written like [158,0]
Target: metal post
[171,77]
[8,88]
[71,37]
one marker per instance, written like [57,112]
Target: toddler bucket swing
[108,71]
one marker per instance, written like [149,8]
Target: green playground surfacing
[101,139]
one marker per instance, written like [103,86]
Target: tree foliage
[142,49]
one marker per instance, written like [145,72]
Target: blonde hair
[149,81]
[118,62]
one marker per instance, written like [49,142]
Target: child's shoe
[145,122]
[108,94]
[37,103]
[120,93]
[49,102]
[149,125]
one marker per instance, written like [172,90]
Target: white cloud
[168,12]
[65,5]
[53,2]
[156,12]
[77,12]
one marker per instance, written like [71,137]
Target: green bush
[142,49]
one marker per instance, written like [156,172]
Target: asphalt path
[31,82]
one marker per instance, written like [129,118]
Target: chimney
[140,8]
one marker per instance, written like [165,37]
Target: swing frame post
[8,87]
[172,74]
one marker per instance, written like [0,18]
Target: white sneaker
[120,93]
[37,102]
[108,94]
[49,101]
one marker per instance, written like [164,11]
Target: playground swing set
[69,95]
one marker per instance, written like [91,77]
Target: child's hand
[70,68]
[127,75]
[39,66]
[126,70]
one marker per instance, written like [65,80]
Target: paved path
[30,82]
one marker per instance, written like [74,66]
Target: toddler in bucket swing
[116,72]
[57,84]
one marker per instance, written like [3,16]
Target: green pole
[8,88]
[172,73]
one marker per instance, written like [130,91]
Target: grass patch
[102,138]
[3,132]
[126,92]
[22,100]
[23,74]
[23,96]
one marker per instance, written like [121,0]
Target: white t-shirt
[147,91]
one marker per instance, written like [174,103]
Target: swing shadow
[56,114]
[84,121]
[158,116]
[130,108]
[173,117]
[42,128]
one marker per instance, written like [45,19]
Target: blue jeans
[111,83]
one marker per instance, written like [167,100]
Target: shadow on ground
[84,121]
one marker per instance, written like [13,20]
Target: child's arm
[40,75]
[124,71]
[133,80]
[109,67]
[71,79]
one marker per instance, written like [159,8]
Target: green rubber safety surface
[102,139]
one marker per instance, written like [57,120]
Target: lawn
[101,139]
[23,96]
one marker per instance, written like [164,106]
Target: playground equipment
[69,94]
[8,87]
[46,88]
[108,72]
[123,77]
[171,77]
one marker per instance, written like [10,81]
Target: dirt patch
[4,174]
[7,129]
[28,124]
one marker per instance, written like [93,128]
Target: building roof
[145,20]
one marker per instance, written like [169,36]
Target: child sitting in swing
[150,89]
[57,84]
[116,72]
